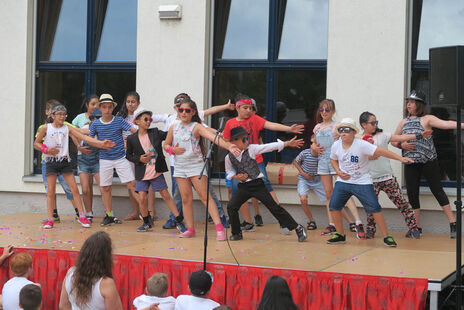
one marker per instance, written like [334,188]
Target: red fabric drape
[239,287]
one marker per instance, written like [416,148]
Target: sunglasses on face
[344,129]
[147,119]
[326,109]
[373,123]
[186,110]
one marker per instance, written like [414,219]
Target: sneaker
[258,220]
[210,219]
[329,230]
[284,231]
[170,224]
[245,226]
[181,227]
[84,221]
[145,227]
[56,218]
[370,234]
[187,234]
[360,234]
[237,237]
[109,220]
[311,225]
[117,221]
[224,221]
[221,235]
[353,227]
[419,229]
[389,241]
[76,216]
[48,224]
[301,233]
[89,216]
[414,234]
[453,230]
[337,238]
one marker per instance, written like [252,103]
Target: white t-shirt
[10,292]
[144,301]
[189,302]
[354,160]
[380,168]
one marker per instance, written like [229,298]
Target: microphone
[222,123]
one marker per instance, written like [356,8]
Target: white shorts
[193,170]
[123,169]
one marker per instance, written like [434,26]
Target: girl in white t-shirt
[382,173]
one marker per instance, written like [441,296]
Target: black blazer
[135,150]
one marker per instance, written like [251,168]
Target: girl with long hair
[276,295]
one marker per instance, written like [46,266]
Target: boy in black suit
[145,151]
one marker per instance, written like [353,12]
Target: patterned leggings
[392,189]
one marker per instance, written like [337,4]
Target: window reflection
[303,25]
[436,23]
[115,83]
[116,30]
[242,29]
[62,30]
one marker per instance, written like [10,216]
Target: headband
[243,102]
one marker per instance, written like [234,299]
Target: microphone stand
[207,166]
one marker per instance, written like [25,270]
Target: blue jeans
[62,181]
[364,192]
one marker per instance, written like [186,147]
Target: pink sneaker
[189,233]
[48,224]
[84,221]
[221,235]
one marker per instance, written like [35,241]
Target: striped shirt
[308,162]
[111,131]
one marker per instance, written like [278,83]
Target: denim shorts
[157,184]
[62,181]
[324,167]
[364,192]
[305,185]
[88,163]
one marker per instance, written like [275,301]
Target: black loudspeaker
[446,76]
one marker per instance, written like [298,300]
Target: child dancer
[111,127]
[382,173]
[254,124]
[87,158]
[55,148]
[145,151]
[185,141]
[325,137]
[244,168]
[306,163]
[349,158]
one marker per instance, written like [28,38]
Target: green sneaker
[337,238]
[56,219]
[389,241]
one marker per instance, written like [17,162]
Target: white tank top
[57,138]
[96,300]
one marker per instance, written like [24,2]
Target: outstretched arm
[434,121]
[219,108]
[389,154]
[105,144]
[201,130]
[280,127]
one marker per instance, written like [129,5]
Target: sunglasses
[374,123]
[147,119]
[245,139]
[326,109]
[179,100]
[344,129]
[182,110]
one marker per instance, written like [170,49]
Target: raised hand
[296,128]
[294,142]
[230,105]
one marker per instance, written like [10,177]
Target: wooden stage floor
[432,257]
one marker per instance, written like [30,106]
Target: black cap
[237,132]
[200,282]
[416,95]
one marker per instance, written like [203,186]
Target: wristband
[399,146]
[44,148]
[418,136]
[169,150]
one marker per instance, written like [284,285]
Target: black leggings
[431,172]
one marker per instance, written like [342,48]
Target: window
[83,47]
[436,24]
[274,51]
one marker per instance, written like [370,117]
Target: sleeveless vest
[247,165]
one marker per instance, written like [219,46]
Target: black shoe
[245,226]
[389,241]
[414,234]
[453,230]
[301,233]
[145,227]
[236,237]
[337,238]
[170,224]
[109,220]
[258,220]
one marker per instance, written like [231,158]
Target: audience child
[145,151]
[89,285]
[276,295]
[21,267]
[326,135]
[185,140]
[156,290]
[111,127]
[30,297]
[199,284]
[55,138]
[244,168]
[349,158]
[306,163]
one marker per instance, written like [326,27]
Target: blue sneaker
[225,222]
[181,227]
[170,224]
